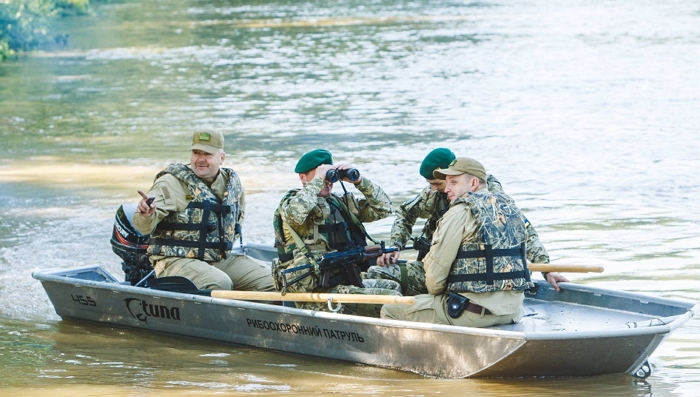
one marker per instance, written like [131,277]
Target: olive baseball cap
[313,159]
[462,165]
[207,141]
[437,158]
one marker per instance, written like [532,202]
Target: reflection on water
[586,112]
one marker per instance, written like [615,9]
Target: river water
[586,110]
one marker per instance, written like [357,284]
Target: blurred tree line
[26,24]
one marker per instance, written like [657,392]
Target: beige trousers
[433,309]
[238,272]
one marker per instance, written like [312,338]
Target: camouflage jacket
[301,209]
[312,218]
[428,204]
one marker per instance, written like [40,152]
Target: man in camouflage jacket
[313,221]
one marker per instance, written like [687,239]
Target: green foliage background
[26,24]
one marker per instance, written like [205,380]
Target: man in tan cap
[432,203]
[193,213]
[476,267]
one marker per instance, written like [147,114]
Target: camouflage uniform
[371,287]
[409,274]
[315,221]
[431,205]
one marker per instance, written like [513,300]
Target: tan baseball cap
[462,165]
[207,141]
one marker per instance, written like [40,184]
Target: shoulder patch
[167,199]
[410,203]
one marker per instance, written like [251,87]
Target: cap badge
[204,136]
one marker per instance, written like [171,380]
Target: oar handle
[549,267]
[314,297]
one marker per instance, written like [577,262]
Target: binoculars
[334,175]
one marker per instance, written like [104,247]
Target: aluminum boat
[580,331]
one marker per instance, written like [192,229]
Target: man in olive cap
[430,204]
[193,213]
[468,283]
[313,221]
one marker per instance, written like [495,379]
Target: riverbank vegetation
[27,24]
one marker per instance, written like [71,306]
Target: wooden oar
[185,285]
[313,297]
[549,267]
[182,284]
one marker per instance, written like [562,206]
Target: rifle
[350,262]
[422,245]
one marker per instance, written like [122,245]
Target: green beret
[313,159]
[438,158]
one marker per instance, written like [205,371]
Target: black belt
[457,304]
[474,308]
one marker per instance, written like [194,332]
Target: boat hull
[546,343]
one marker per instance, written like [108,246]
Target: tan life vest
[496,261]
[207,227]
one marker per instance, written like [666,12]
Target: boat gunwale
[626,295]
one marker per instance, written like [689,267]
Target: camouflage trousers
[371,287]
[412,282]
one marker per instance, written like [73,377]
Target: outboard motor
[130,245]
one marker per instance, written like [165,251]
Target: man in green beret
[476,267]
[194,218]
[313,221]
[431,204]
